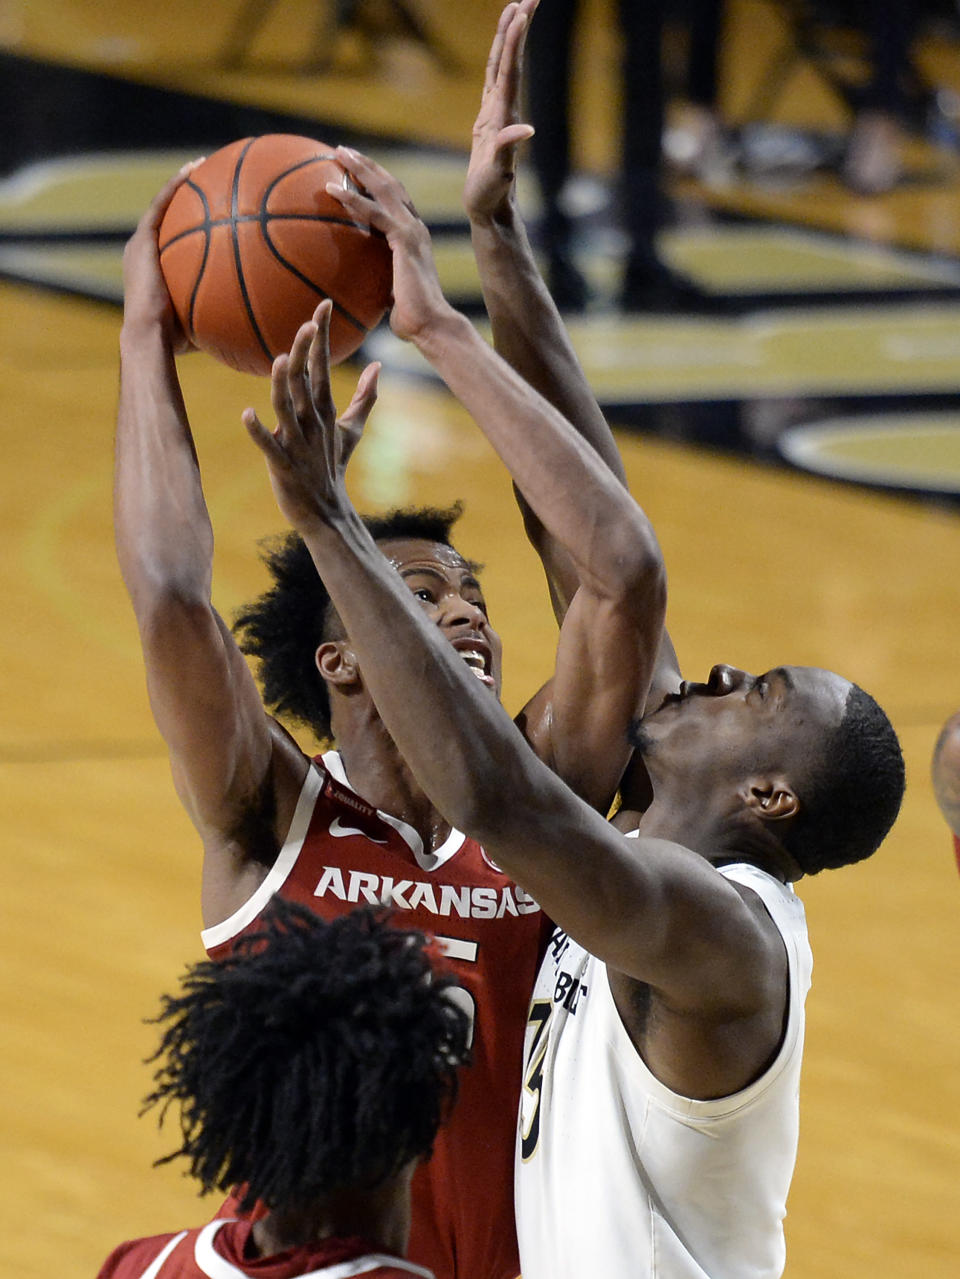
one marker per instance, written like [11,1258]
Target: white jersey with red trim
[217,1251]
[619,1176]
[342,852]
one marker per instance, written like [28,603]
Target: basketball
[252,243]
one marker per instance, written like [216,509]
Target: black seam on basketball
[305,279]
[318,217]
[191,329]
[235,218]
[301,164]
[266,217]
[273,217]
[197,226]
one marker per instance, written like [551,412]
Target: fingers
[280,398]
[263,438]
[298,386]
[350,425]
[300,391]
[496,49]
[318,362]
[513,135]
[364,398]
[161,201]
[514,43]
[383,198]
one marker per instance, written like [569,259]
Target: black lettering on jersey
[347,798]
[568,991]
[558,944]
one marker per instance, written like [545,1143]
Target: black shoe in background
[650,285]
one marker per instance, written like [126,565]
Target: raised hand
[382,201]
[308,451]
[146,302]
[498,130]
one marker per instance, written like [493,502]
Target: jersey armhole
[276,876]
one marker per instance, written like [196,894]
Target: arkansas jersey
[216,1251]
[340,853]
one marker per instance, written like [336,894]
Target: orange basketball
[252,242]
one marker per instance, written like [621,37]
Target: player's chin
[640,737]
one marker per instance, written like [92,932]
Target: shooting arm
[203,696]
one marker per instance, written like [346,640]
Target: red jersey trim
[956,849]
[216,1266]
[157,1263]
[229,928]
[330,773]
[425,859]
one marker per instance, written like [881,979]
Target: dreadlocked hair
[283,627]
[317,1056]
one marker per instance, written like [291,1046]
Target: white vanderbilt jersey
[619,1177]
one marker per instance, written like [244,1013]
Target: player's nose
[726,679]
[457,611]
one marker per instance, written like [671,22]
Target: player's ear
[771,798]
[337,662]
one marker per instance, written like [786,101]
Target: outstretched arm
[613,626]
[202,694]
[527,328]
[654,911]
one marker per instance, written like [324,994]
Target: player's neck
[692,828]
[376,772]
[380,1217]
[717,835]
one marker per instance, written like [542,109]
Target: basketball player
[946,777]
[314,1064]
[354,825]
[659,1118]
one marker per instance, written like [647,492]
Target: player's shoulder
[130,1259]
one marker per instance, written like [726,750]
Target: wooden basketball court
[768,563]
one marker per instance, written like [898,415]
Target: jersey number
[539,1018]
[457,948]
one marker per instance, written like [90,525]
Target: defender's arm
[612,630]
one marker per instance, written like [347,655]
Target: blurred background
[778,346]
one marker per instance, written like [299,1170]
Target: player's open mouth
[477,660]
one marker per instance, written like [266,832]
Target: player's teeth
[472,658]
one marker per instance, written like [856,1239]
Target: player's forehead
[826,690]
[409,553]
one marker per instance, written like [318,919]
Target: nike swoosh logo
[339,831]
